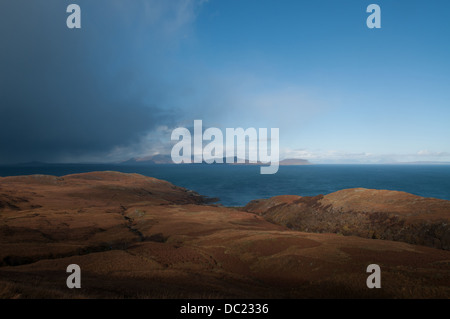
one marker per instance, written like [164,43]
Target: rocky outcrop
[376,214]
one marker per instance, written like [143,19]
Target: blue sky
[338,91]
[337,88]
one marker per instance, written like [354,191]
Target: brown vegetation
[377,214]
[138,237]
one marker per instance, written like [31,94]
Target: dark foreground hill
[377,214]
[139,237]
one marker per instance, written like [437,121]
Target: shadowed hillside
[377,214]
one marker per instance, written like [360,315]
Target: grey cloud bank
[79,94]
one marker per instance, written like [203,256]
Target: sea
[236,185]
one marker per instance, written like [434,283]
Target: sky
[338,91]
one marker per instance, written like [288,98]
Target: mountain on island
[294,162]
[149,160]
[167,159]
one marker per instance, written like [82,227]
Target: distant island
[155,159]
[294,162]
[166,159]
[161,159]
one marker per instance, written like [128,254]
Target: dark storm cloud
[74,93]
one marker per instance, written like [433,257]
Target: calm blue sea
[237,185]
